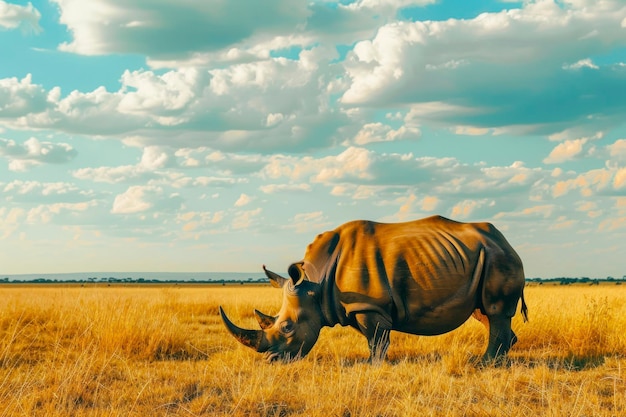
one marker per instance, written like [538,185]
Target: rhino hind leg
[501,338]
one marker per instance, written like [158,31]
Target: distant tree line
[580,280]
[129,280]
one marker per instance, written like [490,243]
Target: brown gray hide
[424,277]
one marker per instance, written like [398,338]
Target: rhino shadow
[572,363]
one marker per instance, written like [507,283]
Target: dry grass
[162,351]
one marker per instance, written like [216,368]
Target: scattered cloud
[32,152]
[563,223]
[46,213]
[378,132]
[243,200]
[10,220]
[285,188]
[21,97]
[583,63]
[134,200]
[607,181]
[612,225]
[617,150]
[50,192]
[245,219]
[312,222]
[544,211]
[430,203]
[138,199]
[565,151]
[13,16]
[197,222]
[467,208]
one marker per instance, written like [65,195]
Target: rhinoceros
[423,277]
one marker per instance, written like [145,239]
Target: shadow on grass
[572,363]
[566,363]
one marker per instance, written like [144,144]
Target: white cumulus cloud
[21,97]
[243,200]
[34,152]
[136,199]
[565,151]
[13,16]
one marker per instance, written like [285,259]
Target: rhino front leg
[376,328]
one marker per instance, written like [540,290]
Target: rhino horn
[254,339]
[264,320]
[276,280]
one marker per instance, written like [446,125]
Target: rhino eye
[286,327]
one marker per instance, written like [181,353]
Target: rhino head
[292,333]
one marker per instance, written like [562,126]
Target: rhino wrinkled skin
[423,277]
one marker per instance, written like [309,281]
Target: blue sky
[221,135]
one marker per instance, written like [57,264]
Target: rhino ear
[296,273]
[276,280]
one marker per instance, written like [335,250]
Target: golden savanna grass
[163,351]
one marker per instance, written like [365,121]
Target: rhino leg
[485,321]
[376,328]
[501,337]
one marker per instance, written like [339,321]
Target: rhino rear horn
[276,280]
[254,339]
[264,320]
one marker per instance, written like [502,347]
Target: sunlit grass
[162,350]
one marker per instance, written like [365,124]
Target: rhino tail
[524,308]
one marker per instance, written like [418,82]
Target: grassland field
[150,350]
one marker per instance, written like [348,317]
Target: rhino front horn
[254,339]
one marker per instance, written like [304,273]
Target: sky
[220,135]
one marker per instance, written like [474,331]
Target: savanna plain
[161,350]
